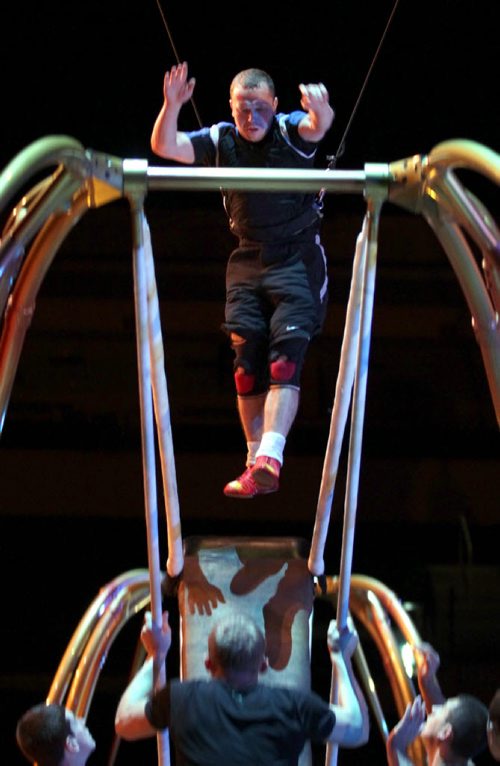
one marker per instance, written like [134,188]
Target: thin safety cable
[341,148]
[177,56]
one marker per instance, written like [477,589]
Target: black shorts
[277,292]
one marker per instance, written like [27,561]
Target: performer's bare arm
[352,726]
[130,721]
[404,733]
[428,662]
[166,140]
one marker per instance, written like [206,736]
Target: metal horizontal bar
[260,179]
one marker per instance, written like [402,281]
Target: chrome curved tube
[23,297]
[43,153]
[85,179]
[50,198]
[371,603]
[480,298]
[462,153]
[428,185]
[134,580]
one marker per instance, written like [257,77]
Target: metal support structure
[371,603]
[85,179]
[148,441]
[376,194]
[340,410]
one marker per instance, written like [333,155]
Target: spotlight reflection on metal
[408,659]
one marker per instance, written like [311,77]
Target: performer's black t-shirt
[212,724]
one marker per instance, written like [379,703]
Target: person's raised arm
[166,140]
[351,713]
[428,663]
[319,114]
[405,731]
[130,720]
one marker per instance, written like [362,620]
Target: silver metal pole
[148,443]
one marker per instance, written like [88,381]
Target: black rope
[177,57]
[340,151]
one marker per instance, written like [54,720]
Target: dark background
[71,505]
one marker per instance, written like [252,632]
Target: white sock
[252,448]
[272,445]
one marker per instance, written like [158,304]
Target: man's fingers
[314,91]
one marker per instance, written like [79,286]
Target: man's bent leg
[280,410]
[279,414]
[266,418]
[249,381]
[282,402]
[251,411]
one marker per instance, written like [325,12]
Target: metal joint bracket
[407,180]
[378,177]
[135,179]
[106,182]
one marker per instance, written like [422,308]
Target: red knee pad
[244,382]
[282,370]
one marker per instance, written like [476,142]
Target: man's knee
[283,370]
[250,374]
[286,362]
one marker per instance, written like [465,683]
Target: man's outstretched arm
[166,140]
[428,662]
[352,725]
[131,721]
[404,733]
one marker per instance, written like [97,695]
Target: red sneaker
[243,487]
[266,474]
[248,485]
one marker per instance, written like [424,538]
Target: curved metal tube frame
[113,606]
[82,179]
[430,186]
[371,602]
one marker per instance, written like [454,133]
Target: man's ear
[208,664]
[445,733]
[275,104]
[71,744]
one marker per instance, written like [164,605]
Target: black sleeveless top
[262,216]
